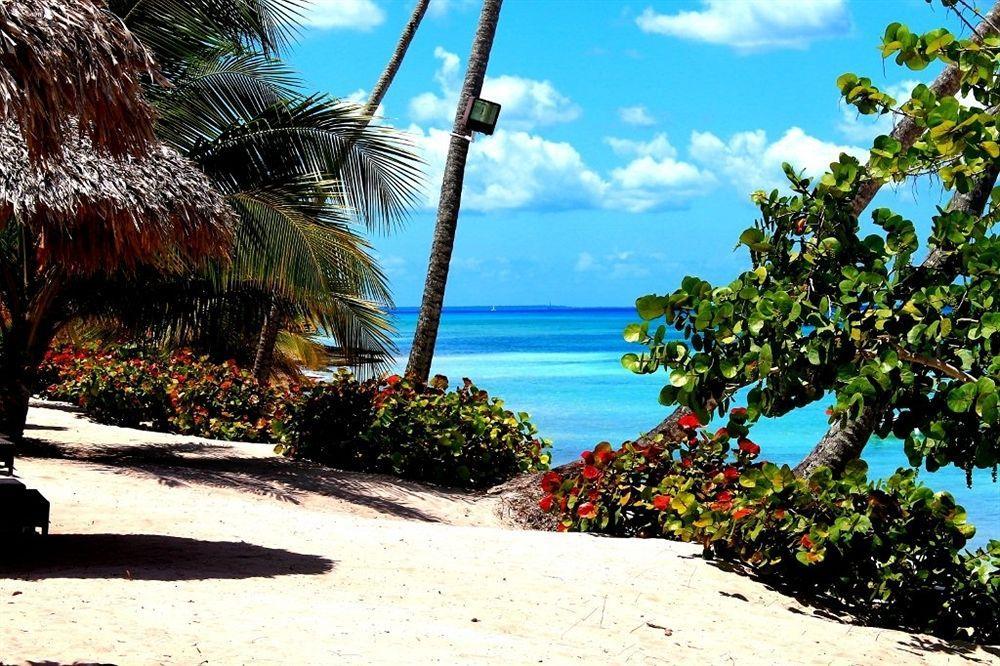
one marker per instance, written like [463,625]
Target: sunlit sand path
[169,549]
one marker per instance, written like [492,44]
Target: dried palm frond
[73,58]
[90,211]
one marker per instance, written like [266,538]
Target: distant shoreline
[517,308]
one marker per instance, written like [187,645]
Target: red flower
[722,434]
[806,541]
[392,380]
[779,513]
[731,473]
[689,422]
[545,504]
[748,447]
[590,472]
[738,412]
[561,528]
[551,481]
[588,457]
[661,502]
[741,513]
[587,510]
[724,496]
[686,462]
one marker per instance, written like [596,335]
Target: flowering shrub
[130,386]
[220,401]
[328,423]
[461,438]
[119,386]
[889,552]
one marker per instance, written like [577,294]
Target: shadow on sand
[272,476]
[152,557]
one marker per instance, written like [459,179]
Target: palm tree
[301,172]
[425,337]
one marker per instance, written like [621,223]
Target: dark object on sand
[7,455]
[22,511]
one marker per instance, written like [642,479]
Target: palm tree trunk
[422,352]
[906,132]
[264,358]
[384,81]
[16,377]
[845,441]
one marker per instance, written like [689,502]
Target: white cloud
[654,178]
[636,115]
[620,264]
[659,146]
[525,103]
[516,170]
[349,14]
[511,170]
[584,262]
[752,162]
[753,24]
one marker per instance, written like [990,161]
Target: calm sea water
[562,366]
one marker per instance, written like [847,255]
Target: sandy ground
[175,550]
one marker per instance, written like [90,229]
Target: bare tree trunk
[384,81]
[845,441]
[906,132]
[16,378]
[264,358]
[422,352]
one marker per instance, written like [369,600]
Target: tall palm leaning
[305,175]
[425,337]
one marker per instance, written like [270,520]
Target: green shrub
[220,401]
[328,423]
[130,386]
[119,386]
[459,438]
[889,552]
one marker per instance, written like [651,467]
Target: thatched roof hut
[73,58]
[90,211]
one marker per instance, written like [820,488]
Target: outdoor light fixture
[481,115]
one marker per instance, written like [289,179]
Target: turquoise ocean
[561,365]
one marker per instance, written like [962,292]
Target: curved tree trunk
[264,358]
[845,441]
[389,73]
[422,352]
[906,132]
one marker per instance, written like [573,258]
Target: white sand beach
[175,550]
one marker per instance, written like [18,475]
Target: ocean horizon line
[509,308]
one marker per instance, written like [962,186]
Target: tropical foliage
[828,307]
[888,552]
[132,386]
[459,438]
[305,174]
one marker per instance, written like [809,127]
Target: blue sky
[631,135]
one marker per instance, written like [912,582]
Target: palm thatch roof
[91,212]
[73,58]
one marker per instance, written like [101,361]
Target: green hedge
[888,552]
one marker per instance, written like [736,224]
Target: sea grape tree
[902,328]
